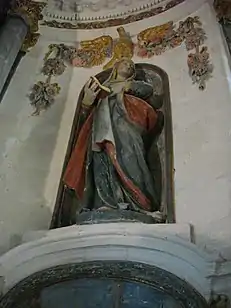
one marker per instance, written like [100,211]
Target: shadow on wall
[39,218]
[23,205]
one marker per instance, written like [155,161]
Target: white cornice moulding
[158,245]
[89,12]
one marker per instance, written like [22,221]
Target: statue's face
[126,69]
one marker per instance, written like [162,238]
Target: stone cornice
[157,245]
[106,18]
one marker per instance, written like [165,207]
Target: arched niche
[64,207]
[125,261]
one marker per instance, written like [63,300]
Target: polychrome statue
[108,168]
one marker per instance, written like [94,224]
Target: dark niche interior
[223,11]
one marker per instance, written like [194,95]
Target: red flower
[142,52]
[78,62]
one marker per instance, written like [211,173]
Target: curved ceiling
[85,10]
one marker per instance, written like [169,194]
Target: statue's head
[125,68]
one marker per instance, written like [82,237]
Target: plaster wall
[26,150]
[201,128]
[33,148]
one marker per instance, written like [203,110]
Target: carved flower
[42,95]
[175,42]
[53,66]
[200,68]
[158,50]
[142,52]
[36,91]
[191,32]
[78,62]
[67,53]
[86,58]
[195,37]
[52,90]
[149,54]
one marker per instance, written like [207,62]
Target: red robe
[138,112]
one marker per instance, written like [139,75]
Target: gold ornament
[31,12]
[93,52]
[123,48]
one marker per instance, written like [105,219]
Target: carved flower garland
[156,40]
[191,32]
[53,67]
[43,94]
[200,68]
[150,42]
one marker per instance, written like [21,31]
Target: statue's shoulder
[141,89]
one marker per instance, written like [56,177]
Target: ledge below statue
[98,217]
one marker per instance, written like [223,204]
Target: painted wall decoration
[148,43]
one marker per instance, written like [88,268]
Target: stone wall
[27,144]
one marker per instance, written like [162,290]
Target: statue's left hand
[91,90]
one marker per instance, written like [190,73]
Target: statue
[108,167]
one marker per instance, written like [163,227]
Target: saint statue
[109,167]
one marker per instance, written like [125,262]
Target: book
[101,86]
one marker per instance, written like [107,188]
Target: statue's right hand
[91,90]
